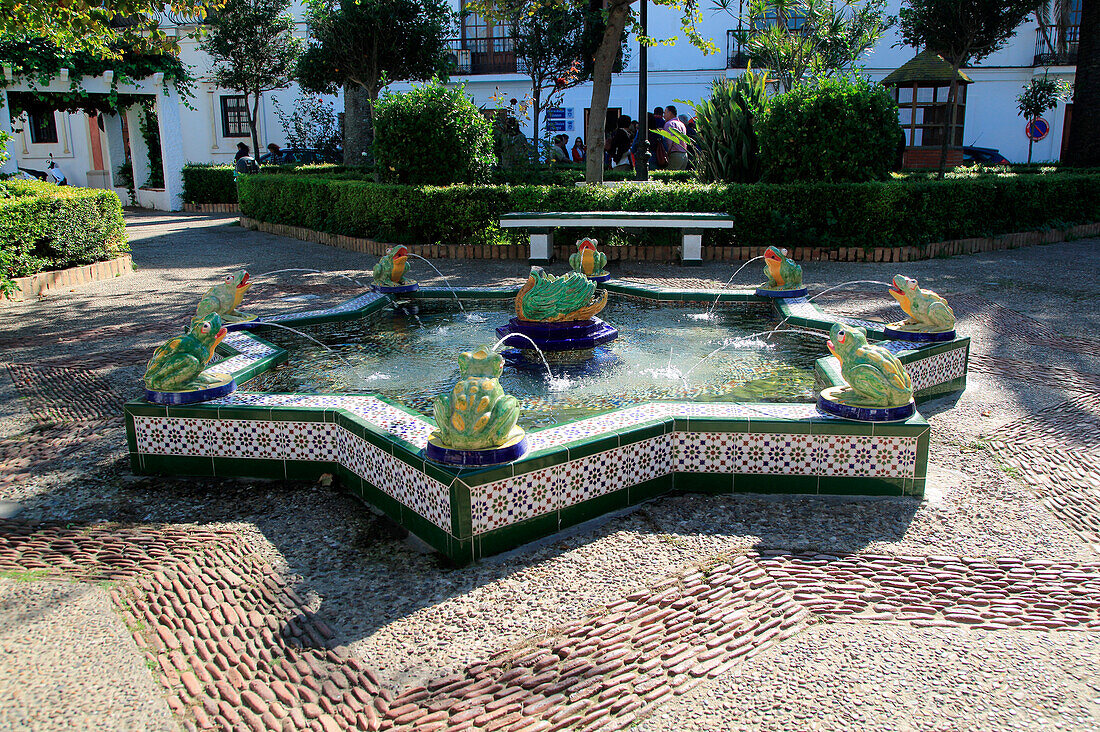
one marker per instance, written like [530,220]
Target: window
[43,127]
[235,117]
[489,43]
[922,110]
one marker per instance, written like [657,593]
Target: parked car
[301,156]
[983,155]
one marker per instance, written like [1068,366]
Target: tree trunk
[949,117]
[252,124]
[358,128]
[537,99]
[1030,144]
[1083,148]
[602,67]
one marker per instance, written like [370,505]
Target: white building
[209,126]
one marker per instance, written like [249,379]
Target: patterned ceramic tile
[305,441]
[348,306]
[856,456]
[249,350]
[938,369]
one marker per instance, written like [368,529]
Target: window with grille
[235,117]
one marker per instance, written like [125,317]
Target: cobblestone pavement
[277,605]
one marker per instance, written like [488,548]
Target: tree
[312,125]
[1083,148]
[364,45]
[960,31]
[549,41]
[1039,95]
[606,27]
[1053,18]
[254,49]
[799,40]
[98,27]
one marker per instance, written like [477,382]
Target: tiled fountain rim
[248,355]
[575,470]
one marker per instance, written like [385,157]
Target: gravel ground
[413,619]
[70,663]
[881,677]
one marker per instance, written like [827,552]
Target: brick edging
[27,288]
[211,208]
[906,253]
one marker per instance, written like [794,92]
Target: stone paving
[720,634]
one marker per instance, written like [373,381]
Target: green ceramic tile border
[464,293]
[255,368]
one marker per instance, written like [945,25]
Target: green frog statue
[476,414]
[178,364]
[784,275]
[875,376]
[589,261]
[927,311]
[548,299]
[224,298]
[391,269]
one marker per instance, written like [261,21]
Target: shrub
[836,130]
[432,135]
[871,214]
[726,128]
[213,182]
[43,226]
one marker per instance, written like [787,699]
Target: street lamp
[642,153]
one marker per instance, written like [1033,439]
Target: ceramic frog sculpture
[178,364]
[391,268]
[782,273]
[587,260]
[876,376]
[224,298]
[477,414]
[927,311]
[547,298]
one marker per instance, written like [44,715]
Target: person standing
[658,156]
[578,151]
[618,144]
[242,151]
[677,151]
[561,155]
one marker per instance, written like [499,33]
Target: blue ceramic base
[476,458]
[827,403]
[765,292]
[600,277]
[565,335]
[896,333]
[243,325]
[193,396]
[396,289]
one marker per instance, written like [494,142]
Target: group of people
[623,145]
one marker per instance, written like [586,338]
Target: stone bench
[542,227]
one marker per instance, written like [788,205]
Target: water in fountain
[555,384]
[356,378]
[827,289]
[447,280]
[710,311]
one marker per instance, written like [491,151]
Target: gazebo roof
[925,66]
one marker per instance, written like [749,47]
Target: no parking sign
[1037,129]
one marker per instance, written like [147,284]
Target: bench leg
[542,246]
[692,252]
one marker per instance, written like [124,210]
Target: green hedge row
[46,227]
[888,213]
[210,183]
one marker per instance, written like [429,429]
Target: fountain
[931,319]
[504,454]
[589,261]
[476,421]
[389,273]
[176,373]
[558,314]
[224,298]
[784,276]
[878,387]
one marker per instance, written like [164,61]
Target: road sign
[1037,129]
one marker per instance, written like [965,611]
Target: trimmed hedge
[213,183]
[873,214]
[43,226]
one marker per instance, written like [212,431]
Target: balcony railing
[736,58]
[1060,50]
[482,55]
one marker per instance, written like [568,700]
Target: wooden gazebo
[921,87]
